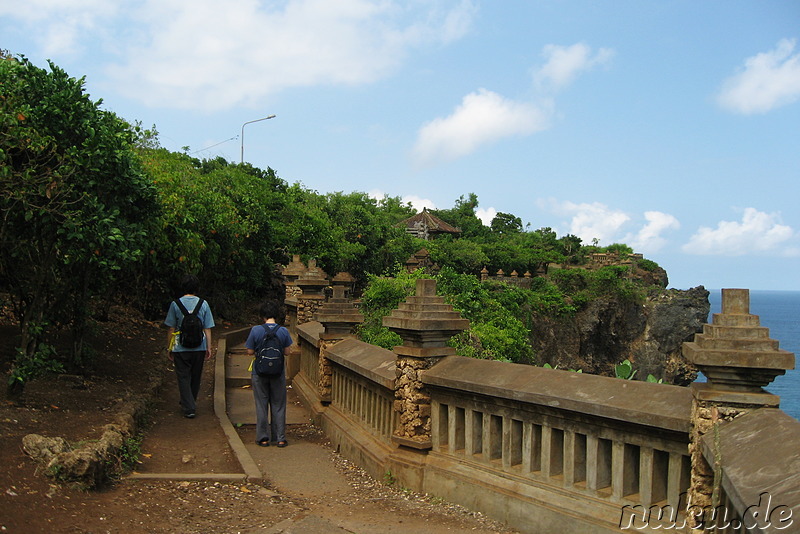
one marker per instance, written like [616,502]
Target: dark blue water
[780,312]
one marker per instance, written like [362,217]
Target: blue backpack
[269,353]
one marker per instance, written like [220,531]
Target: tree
[463,217]
[75,205]
[505,224]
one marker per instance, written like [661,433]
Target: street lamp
[250,122]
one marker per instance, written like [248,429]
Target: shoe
[283,443]
[264,443]
[189,415]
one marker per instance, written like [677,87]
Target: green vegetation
[95,209]
[625,371]
[128,455]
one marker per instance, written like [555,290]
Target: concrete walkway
[337,497]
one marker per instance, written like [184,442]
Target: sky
[672,126]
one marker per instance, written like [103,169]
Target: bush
[382,295]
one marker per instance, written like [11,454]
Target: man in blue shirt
[189,361]
[269,391]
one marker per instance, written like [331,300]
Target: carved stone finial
[294,269]
[425,322]
[734,352]
[338,315]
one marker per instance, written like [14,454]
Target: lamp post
[250,122]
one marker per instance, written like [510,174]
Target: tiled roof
[434,223]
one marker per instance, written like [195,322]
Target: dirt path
[307,487]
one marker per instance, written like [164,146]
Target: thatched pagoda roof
[433,223]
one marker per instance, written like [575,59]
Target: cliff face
[609,331]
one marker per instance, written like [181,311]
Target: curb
[251,469]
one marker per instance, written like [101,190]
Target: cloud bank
[203,55]
[767,81]
[591,221]
[596,221]
[757,232]
[648,239]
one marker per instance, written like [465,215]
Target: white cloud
[757,232]
[204,55]
[416,202]
[767,81]
[565,63]
[198,55]
[59,26]
[648,239]
[592,221]
[486,215]
[482,118]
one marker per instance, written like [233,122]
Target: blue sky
[673,126]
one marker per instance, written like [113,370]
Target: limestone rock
[43,448]
[609,331]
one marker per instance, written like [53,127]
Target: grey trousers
[270,397]
[189,370]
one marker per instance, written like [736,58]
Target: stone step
[773,359]
[731,343]
[242,408]
[237,369]
[749,332]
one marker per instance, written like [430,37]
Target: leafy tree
[75,204]
[570,247]
[619,248]
[462,255]
[366,239]
[505,224]
[463,217]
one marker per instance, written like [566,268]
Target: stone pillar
[292,272]
[312,283]
[484,274]
[345,280]
[338,316]
[739,359]
[425,322]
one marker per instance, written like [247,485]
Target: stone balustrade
[550,450]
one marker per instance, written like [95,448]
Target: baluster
[646,466]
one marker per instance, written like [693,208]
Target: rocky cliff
[609,331]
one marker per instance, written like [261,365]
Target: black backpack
[269,353]
[191,327]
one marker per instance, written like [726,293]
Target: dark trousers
[270,397]
[189,370]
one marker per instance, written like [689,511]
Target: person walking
[187,354]
[269,391]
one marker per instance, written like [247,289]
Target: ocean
[780,312]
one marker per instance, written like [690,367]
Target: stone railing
[363,386]
[548,450]
[584,444]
